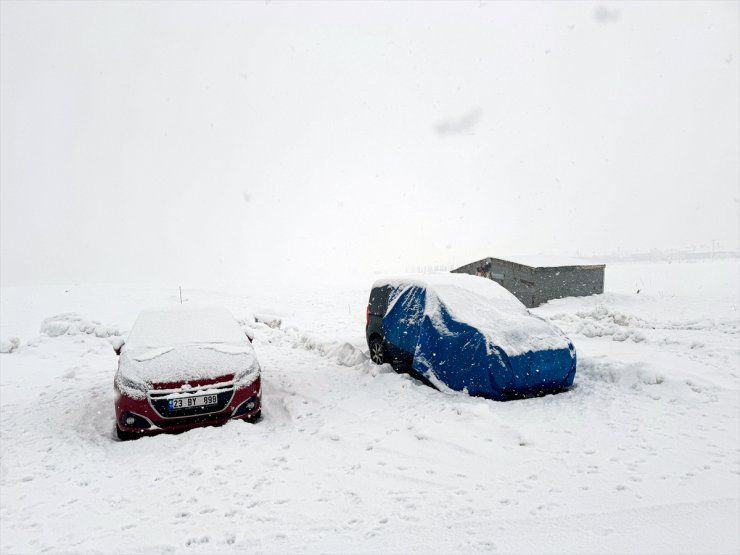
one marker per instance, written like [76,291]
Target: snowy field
[642,455]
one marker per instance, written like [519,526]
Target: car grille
[224,391]
[212,418]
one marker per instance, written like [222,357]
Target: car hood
[186,363]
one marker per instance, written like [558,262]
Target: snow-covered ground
[642,455]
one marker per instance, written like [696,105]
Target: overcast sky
[198,141]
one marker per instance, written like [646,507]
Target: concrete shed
[536,280]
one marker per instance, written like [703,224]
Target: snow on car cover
[185,343]
[469,333]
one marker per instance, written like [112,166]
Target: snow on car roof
[491,290]
[488,307]
[183,325]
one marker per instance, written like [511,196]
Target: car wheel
[125,436]
[376,350]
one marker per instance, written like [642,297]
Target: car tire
[377,353]
[125,436]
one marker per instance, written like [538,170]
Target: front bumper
[151,415]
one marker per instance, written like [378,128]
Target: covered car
[467,333]
[182,367]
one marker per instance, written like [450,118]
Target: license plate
[190,402]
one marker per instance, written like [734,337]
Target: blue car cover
[452,353]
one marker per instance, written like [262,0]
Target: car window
[379,300]
[402,322]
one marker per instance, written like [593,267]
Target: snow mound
[270,321]
[9,344]
[604,321]
[632,375]
[646,379]
[71,323]
[341,352]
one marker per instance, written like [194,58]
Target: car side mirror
[117,343]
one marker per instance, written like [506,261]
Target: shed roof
[548,261]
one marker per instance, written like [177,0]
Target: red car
[185,367]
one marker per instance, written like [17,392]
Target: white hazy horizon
[216,142]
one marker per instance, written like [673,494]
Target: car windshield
[183,326]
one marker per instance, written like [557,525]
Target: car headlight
[126,382]
[246,375]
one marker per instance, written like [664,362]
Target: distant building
[535,281]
